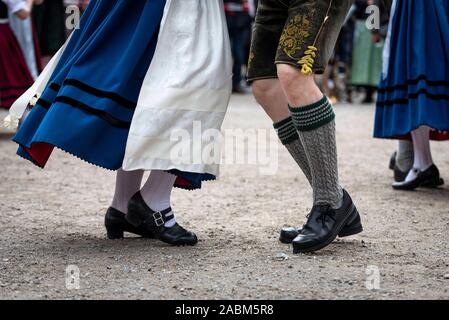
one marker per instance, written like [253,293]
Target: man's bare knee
[269,94]
[263,89]
[300,89]
[288,74]
[259,88]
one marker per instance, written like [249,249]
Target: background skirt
[88,104]
[366,57]
[26,35]
[415,89]
[15,77]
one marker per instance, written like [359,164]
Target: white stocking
[126,185]
[422,154]
[157,192]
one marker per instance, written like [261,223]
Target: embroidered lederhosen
[301,33]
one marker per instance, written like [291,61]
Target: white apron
[187,89]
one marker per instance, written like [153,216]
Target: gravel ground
[54,218]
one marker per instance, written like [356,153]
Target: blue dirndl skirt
[88,104]
[415,90]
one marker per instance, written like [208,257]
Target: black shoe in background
[399,175]
[429,178]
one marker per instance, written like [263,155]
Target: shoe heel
[114,232]
[353,230]
[435,183]
[132,218]
[353,226]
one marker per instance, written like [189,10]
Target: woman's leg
[405,156]
[421,145]
[424,173]
[126,185]
[401,161]
[422,154]
[157,192]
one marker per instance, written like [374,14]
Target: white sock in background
[157,192]
[126,185]
[422,154]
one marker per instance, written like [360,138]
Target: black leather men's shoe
[429,178]
[143,217]
[288,234]
[116,225]
[323,226]
[352,228]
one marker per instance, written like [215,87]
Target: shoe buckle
[158,219]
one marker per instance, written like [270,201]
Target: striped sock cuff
[286,131]
[313,116]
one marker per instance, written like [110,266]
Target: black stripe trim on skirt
[44,103]
[402,87]
[96,92]
[95,112]
[413,96]
[54,86]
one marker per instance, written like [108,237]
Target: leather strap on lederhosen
[308,60]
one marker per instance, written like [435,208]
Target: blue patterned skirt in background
[414,90]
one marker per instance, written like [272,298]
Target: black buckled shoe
[352,228]
[323,226]
[400,176]
[116,225]
[143,217]
[429,178]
